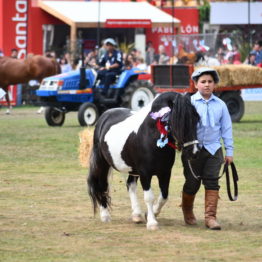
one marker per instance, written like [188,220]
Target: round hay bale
[85,146]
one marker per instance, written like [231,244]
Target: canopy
[108,14]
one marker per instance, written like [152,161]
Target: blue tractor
[80,91]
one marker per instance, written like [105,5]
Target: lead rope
[225,171]
[192,171]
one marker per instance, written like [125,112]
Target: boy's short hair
[205,71]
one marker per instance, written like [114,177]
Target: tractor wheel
[138,94]
[54,117]
[87,114]
[235,105]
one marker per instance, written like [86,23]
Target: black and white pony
[142,144]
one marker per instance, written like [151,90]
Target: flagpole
[98,25]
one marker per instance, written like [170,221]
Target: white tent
[88,13]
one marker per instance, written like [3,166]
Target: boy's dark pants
[206,166]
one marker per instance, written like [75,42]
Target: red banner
[128,23]
[161,35]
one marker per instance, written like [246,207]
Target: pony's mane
[183,116]
[165,99]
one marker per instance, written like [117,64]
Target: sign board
[252,94]
[161,35]
[128,23]
[235,13]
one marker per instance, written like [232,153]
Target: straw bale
[85,146]
[238,75]
[225,76]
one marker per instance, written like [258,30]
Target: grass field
[46,214]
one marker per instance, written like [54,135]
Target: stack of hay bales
[239,75]
[85,146]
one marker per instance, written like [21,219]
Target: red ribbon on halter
[162,130]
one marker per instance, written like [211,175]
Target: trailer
[177,78]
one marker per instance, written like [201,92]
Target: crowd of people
[234,57]
[134,57]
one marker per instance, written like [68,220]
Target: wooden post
[73,39]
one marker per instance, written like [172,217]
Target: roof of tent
[108,14]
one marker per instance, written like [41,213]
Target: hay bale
[246,75]
[238,75]
[225,76]
[85,146]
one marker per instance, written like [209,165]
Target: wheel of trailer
[235,105]
[54,117]
[138,94]
[87,114]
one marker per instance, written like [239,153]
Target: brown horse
[186,58]
[17,71]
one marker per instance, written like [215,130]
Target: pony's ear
[176,101]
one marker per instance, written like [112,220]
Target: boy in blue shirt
[215,124]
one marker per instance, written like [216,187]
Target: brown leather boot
[187,207]
[211,199]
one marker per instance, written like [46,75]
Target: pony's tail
[97,180]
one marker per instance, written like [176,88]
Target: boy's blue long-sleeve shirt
[215,124]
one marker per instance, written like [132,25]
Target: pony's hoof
[106,219]
[152,227]
[137,219]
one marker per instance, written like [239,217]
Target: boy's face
[205,85]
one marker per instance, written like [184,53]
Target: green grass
[46,215]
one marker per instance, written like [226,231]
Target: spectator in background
[251,58]
[129,61]
[14,53]
[230,59]
[236,55]
[65,66]
[150,54]
[101,50]
[258,49]
[140,63]
[92,58]
[258,60]
[1,53]
[163,58]
[221,58]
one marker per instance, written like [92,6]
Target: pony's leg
[104,206]
[151,224]
[136,209]
[104,214]
[163,181]
[98,185]
[159,204]
[40,110]
[8,110]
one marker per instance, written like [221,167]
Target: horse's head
[183,125]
